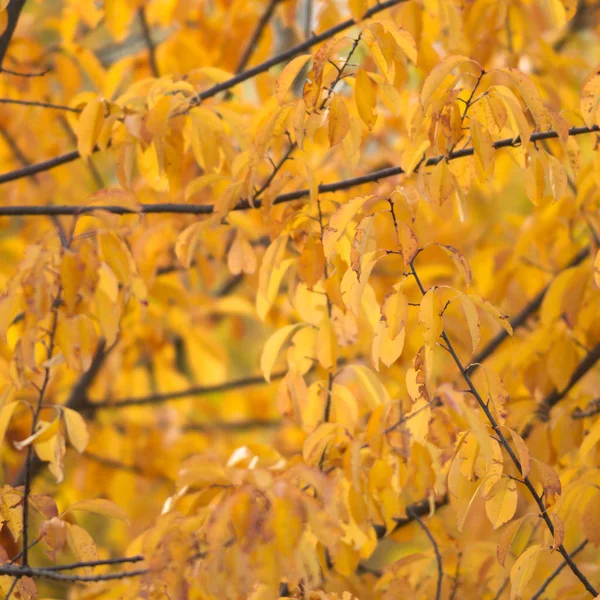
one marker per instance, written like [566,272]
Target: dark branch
[95,563]
[207,209]
[39,104]
[197,390]
[438,556]
[557,571]
[41,573]
[555,396]
[13,11]
[508,449]
[592,409]
[149,42]
[290,53]
[233,425]
[256,35]
[77,401]
[528,310]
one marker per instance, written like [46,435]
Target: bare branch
[95,563]
[256,35]
[207,209]
[13,11]
[197,390]
[519,319]
[290,53]
[37,104]
[438,556]
[592,409]
[233,425]
[555,396]
[508,448]
[42,573]
[557,571]
[149,42]
[77,401]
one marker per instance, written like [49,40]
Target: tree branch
[77,401]
[508,448]
[43,573]
[149,42]
[95,563]
[438,556]
[555,396]
[13,12]
[207,209]
[557,571]
[287,54]
[519,319]
[197,390]
[256,35]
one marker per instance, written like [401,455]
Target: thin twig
[289,53]
[438,556]
[37,104]
[555,396]
[20,571]
[508,448]
[13,11]
[519,319]
[557,571]
[233,425]
[77,401]
[149,42]
[256,35]
[96,563]
[592,409]
[197,390]
[207,209]
[36,414]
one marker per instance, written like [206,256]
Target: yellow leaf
[339,222]
[430,316]
[76,429]
[597,269]
[590,519]
[241,257]
[282,337]
[288,75]
[590,98]
[6,413]
[432,84]
[81,544]
[358,8]
[589,442]
[311,265]
[270,274]
[339,120]
[459,260]
[529,92]
[522,452]
[394,311]
[185,247]
[491,310]
[472,319]
[385,348]
[91,120]
[522,571]
[501,502]
[327,344]
[506,539]
[98,506]
[365,92]
[549,480]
